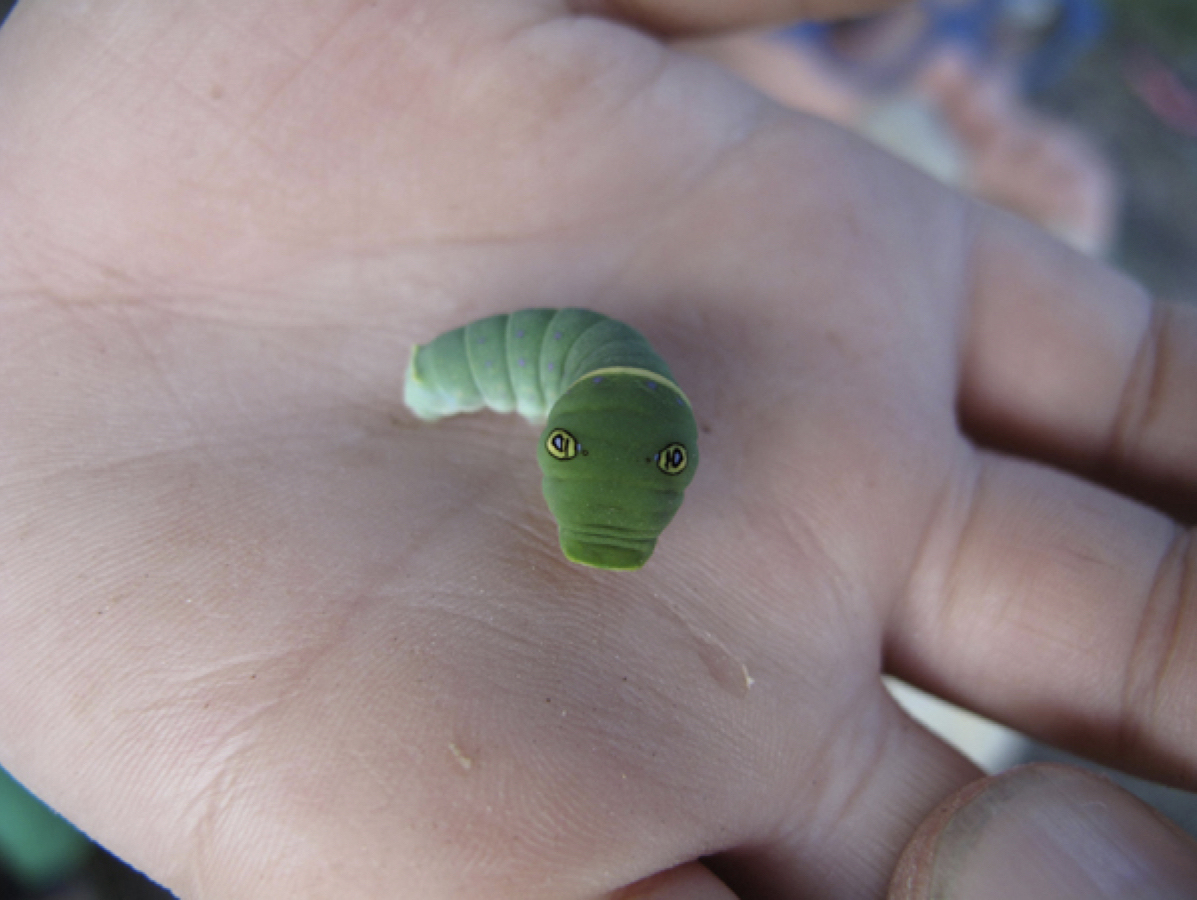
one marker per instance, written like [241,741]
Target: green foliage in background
[1167,26]
[36,846]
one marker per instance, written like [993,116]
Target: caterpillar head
[617,454]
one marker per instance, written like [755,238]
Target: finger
[1050,832]
[972,104]
[1062,609]
[1070,361]
[692,881]
[690,16]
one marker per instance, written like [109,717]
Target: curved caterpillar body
[620,444]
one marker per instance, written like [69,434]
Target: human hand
[263,634]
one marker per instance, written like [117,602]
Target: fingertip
[691,881]
[708,16]
[912,878]
[1045,831]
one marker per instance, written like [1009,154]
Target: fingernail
[1049,832]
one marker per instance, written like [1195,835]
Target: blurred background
[1080,115]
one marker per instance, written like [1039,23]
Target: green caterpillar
[620,444]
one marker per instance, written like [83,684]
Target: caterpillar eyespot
[560,444]
[610,401]
[673,459]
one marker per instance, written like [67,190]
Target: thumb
[682,16]
[1049,832]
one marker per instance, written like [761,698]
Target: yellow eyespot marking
[672,460]
[561,444]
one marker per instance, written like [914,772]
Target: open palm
[266,634]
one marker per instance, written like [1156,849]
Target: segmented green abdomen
[521,362]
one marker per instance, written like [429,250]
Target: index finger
[1072,362]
